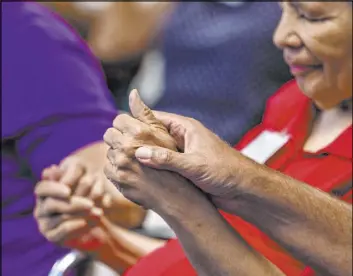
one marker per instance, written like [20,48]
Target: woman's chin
[316,91]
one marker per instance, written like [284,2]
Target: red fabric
[288,110]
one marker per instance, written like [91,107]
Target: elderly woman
[310,143]
[277,221]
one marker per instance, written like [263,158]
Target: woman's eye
[312,19]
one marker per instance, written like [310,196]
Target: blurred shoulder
[34,25]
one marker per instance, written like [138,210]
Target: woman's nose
[285,35]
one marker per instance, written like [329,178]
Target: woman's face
[316,39]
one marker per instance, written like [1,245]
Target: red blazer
[329,169]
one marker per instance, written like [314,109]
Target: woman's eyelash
[312,19]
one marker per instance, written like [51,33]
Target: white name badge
[265,145]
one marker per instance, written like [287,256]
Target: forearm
[124,248]
[211,244]
[315,227]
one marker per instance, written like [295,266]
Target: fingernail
[143,153]
[107,201]
[133,95]
[97,211]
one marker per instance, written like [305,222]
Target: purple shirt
[54,101]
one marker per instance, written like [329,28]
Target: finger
[165,159]
[170,119]
[107,201]
[97,191]
[113,138]
[52,189]
[177,126]
[119,178]
[50,222]
[52,173]
[73,169]
[128,125]
[140,110]
[74,226]
[84,185]
[67,230]
[122,159]
[111,154]
[76,204]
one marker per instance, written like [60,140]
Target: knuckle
[48,207]
[108,170]
[146,113]
[111,155]
[140,131]
[122,176]
[163,156]
[66,228]
[120,119]
[107,135]
[122,161]
[86,181]
[128,148]
[112,138]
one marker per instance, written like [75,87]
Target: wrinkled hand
[206,160]
[66,207]
[151,188]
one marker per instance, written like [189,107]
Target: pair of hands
[156,156]
[69,206]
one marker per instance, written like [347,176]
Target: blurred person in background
[126,27]
[213,61]
[52,87]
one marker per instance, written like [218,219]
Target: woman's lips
[300,70]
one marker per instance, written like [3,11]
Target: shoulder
[47,69]
[33,31]
[25,19]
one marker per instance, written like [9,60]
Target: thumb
[140,110]
[165,159]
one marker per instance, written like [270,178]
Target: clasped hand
[69,205]
[155,157]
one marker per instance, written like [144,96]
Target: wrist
[245,182]
[187,213]
[116,251]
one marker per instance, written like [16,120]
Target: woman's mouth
[301,70]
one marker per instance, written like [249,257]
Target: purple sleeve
[48,144]
[55,95]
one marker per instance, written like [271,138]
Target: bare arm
[315,227]
[124,248]
[210,243]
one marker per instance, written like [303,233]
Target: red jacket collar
[289,110]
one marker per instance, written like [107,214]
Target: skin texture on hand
[150,188]
[207,161]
